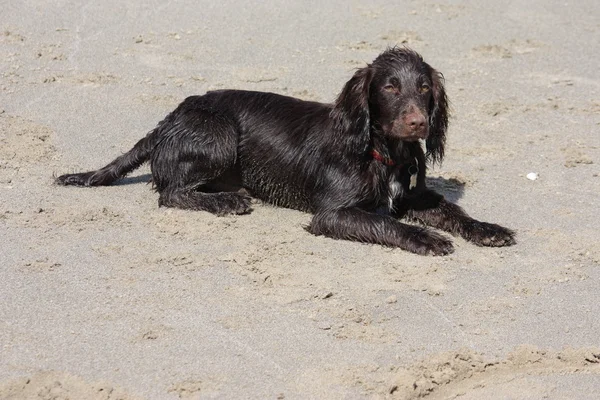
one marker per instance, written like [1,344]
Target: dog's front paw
[424,242]
[486,234]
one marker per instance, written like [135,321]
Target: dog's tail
[117,169]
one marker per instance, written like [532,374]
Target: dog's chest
[390,191]
[396,183]
[393,191]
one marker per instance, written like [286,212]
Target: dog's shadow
[132,180]
[452,188]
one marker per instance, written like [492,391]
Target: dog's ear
[351,109]
[438,119]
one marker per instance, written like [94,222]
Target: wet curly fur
[357,164]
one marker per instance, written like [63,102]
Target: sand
[106,296]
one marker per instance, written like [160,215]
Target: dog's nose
[416,122]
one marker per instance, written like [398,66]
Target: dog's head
[400,95]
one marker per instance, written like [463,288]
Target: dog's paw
[424,242]
[486,234]
[73,179]
[233,203]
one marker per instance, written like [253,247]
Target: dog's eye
[390,88]
[424,88]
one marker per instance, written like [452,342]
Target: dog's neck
[391,151]
[382,159]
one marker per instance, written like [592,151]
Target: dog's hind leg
[117,169]
[198,148]
[221,203]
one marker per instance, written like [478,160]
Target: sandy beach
[107,296]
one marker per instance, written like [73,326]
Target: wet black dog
[356,164]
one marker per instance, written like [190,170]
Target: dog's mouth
[412,137]
[406,134]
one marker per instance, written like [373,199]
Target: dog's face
[401,99]
[399,95]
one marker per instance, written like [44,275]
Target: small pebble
[392,299]
[323,294]
[324,325]
[532,176]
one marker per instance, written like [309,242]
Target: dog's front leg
[430,208]
[362,226]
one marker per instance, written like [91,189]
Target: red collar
[384,160]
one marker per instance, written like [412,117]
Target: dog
[358,164]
